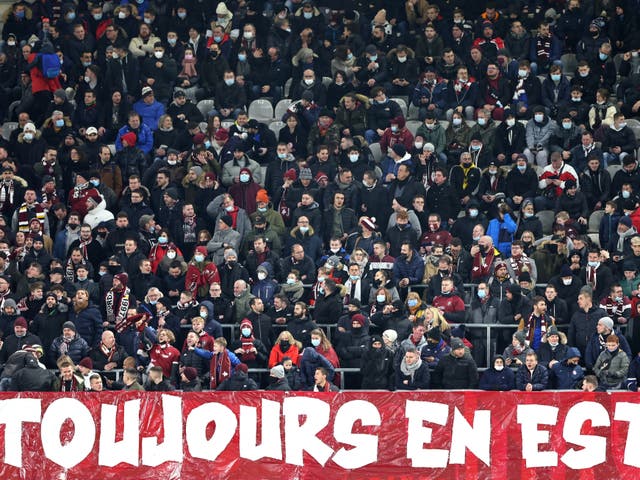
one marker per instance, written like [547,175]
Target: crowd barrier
[370,435]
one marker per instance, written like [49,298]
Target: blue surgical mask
[229,81]
[482,294]
[244,177]
[475,148]
[172,41]
[307,15]
[242,57]
[291,281]
[473,212]
[182,15]
[207,144]
[567,125]
[412,302]
[354,278]
[315,342]
[95,183]
[163,240]
[482,121]
[594,264]
[457,121]
[71,15]
[381,298]
[603,56]
[556,77]
[350,56]
[304,229]
[153,302]
[246,332]
[626,194]
[262,209]
[538,118]
[522,168]
[522,73]
[217,39]
[353,157]
[97,16]
[60,123]
[394,128]
[373,58]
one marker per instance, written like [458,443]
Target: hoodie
[565,376]
[244,194]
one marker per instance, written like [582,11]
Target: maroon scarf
[220,368]
[482,268]
[247,346]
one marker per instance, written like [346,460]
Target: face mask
[482,294]
[304,229]
[188,56]
[163,240]
[522,73]
[71,15]
[171,255]
[291,281]
[353,158]
[244,177]
[284,345]
[246,332]
[158,55]
[308,81]
[373,58]
[430,126]
[11,43]
[402,59]
[229,81]
[97,16]
[182,15]
[567,125]
[199,258]
[511,122]
[499,368]
[603,56]
[412,303]
[262,209]
[87,79]
[475,148]
[315,342]
[618,299]
[394,128]
[307,15]
[583,74]
[60,123]
[594,264]
[576,99]
[242,57]
[247,35]
[457,122]
[419,145]
[626,194]
[556,77]
[538,118]
[172,41]
[28,136]
[380,298]
[482,122]
[622,125]
[528,214]
[203,314]
[115,56]
[229,208]
[122,15]
[262,275]
[473,212]
[102,273]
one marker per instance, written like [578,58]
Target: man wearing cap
[456,370]
[265,209]
[183,110]
[20,337]
[396,133]
[97,210]
[325,131]
[598,340]
[69,343]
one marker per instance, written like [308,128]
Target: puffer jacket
[565,376]
[310,361]
[611,368]
[88,324]
[77,349]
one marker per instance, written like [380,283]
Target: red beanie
[130,138]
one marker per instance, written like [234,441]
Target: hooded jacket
[611,368]
[495,380]
[244,194]
[565,376]
[32,378]
[583,326]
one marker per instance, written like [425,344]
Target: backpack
[50,65]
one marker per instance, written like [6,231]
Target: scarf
[78,190]
[326,388]
[247,346]
[83,246]
[520,265]
[6,192]
[623,236]
[189,229]
[117,305]
[465,172]
[543,48]
[482,265]
[220,368]
[530,327]
[26,213]
[108,352]
[70,386]
[410,370]
[323,129]
[70,269]
[189,68]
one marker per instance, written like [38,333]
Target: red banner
[350,435]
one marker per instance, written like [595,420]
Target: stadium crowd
[433,167]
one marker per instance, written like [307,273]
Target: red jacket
[389,139]
[164,357]
[277,355]
[197,281]
[38,82]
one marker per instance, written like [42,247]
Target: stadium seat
[569,63]
[612,169]
[595,239]
[7,128]
[376,152]
[275,127]
[205,106]
[403,105]
[413,125]
[287,87]
[594,221]
[204,126]
[413,113]
[112,148]
[326,81]
[227,124]
[261,109]
[281,108]
[546,217]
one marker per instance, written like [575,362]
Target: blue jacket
[77,349]
[144,134]
[498,381]
[88,324]
[267,288]
[150,114]
[564,376]
[413,269]
[539,379]
[595,348]
[502,234]
[634,372]
[212,327]
[310,361]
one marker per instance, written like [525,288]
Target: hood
[268,268]
[572,352]
[209,306]
[310,355]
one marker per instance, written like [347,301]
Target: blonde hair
[438,319]
[324,341]
[170,334]
[286,335]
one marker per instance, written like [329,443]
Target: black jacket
[328,308]
[237,382]
[453,373]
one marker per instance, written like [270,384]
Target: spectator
[531,377]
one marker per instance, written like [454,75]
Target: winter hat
[570,184]
[70,325]
[325,112]
[399,149]
[358,318]
[369,223]
[456,343]
[122,277]
[290,175]
[514,289]
[227,220]
[130,138]
[307,95]
[172,192]
[95,197]
[552,331]
[60,93]
[146,91]
[524,277]
[201,249]
[29,127]
[191,373]
[277,371]
[434,334]
[86,362]
[626,221]
[333,261]
[320,176]
[245,170]
[199,138]
[242,367]
[520,336]
[305,174]
[210,176]
[262,196]
[221,134]
[230,252]
[197,170]
[605,321]
[390,335]
[565,271]
[10,302]
[476,136]
[428,147]
[399,120]
[20,322]
[246,322]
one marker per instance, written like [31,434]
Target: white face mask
[158,55]
[262,275]
[511,122]
[419,145]
[457,121]
[566,281]
[499,368]
[402,59]
[308,81]
[247,35]
[171,255]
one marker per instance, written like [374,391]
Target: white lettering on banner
[127,450]
[199,418]
[13,413]
[418,434]
[630,412]
[365,449]
[529,417]
[301,437]
[72,452]
[170,450]
[270,432]
[595,447]
[476,438]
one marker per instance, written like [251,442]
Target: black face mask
[284,345]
